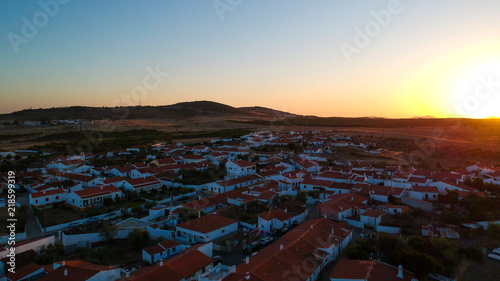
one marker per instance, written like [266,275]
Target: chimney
[65,272]
[332,231]
[247,260]
[281,247]
[286,209]
[324,216]
[63,263]
[127,273]
[247,276]
[161,262]
[400,271]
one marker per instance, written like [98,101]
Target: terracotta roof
[22,272]
[369,271]
[373,213]
[47,193]
[278,214]
[243,163]
[176,268]
[97,191]
[299,244]
[77,270]
[207,223]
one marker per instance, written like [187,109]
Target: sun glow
[477,92]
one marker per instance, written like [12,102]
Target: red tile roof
[369,271]
[373,213]
[24,271]
[277,214]
[47,193]
[97,191]
[207,223]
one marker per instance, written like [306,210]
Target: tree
[108,231]
[50,254]
[493,231]
[138,238]
[107,202]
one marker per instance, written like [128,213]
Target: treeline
[373,122]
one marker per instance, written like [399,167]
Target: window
[57,197]
[36,201]
[46,199]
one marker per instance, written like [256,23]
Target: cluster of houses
[344,191]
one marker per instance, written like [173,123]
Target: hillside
[176,111]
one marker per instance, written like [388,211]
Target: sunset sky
[425,57]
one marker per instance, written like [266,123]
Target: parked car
[75,224]
[250,248]
[217,260]
[281,231]
[298,222]
[265,241]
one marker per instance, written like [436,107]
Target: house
[121,171]
[342,206]
[77,270]
[275,219]
[371,217]
[391,209]
[315,242]
[425,192]
[30,271]
[231,184]
[369,270]
[47,197]
[193,158]
[240,168]
[376,192]
[142,184]
[188,265]
[310,184]
[205,229]
[93,196]
[162,251]
[304,164]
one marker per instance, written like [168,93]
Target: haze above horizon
[324,58]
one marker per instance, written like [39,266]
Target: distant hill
[268,112]
[175,111]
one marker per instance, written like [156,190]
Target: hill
[176,111]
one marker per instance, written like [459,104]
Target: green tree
[138,238]
[493,231]
[108,231]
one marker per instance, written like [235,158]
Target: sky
[326,58]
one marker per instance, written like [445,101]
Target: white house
[371,217]
[240,168]
[47,197]
[205,229]
[140,184]
[277,219]
[93,196]
[161,251]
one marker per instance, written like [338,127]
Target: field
[435,142]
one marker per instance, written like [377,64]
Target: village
[263,206]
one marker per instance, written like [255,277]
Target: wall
[34,245]
[423,205]
[388,229]
[90,237]
[355,223]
